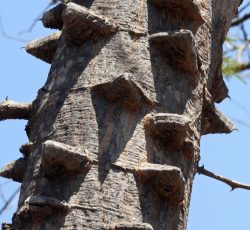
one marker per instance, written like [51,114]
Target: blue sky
[213,206]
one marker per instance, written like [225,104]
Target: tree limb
[14,110]
[233,184]
[36,20]
[5,35]
[9,201]
[237,21]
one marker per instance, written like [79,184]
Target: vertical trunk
[116,127]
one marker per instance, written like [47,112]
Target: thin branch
[233,184]
[14,110]
[245,36]
[2,195]
[4,34]
[244,7]
[243,123]
[36,20]
[240,20]
[242,107]
[9,201]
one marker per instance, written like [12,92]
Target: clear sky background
[213,206]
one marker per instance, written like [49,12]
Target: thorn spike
[15,170]
[125,91]
[168,126]
[81,23]
[180,46]
[58,158]
[44,48]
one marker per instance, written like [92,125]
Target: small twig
[2,195]
[243,123]
[233,184]
[245,36]
[242,107]
[4,34]
[36,20]
[9,201]
[238,21]
[244,7]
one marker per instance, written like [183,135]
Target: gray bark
[116,127]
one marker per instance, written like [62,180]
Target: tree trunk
[116,127]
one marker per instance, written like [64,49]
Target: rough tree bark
[114,133]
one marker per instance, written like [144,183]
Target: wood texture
[44,48]
[58,158]
[15,170]
[14,110]
[80,23]
[53,18]
[127,81]
[179,47]
[213,121]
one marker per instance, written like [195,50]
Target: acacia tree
[114,132]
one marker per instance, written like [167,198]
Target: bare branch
[243,123]
[244,7]
[9,201]
[240,20]
[4,34]
[14,110]
[242,107]
[36,20]
[2,195]
[233,184]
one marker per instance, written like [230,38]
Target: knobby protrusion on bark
[184,8]
[53,18]
[130,226]
[167,180]
[125,91]
[179,48]
[219,90]
[168,126]
[58,158]
[80,23]
[26,149]
[233,184]
[40,207]
[213,121]
[15,170]
[47,201]
[14,110]
[6,226]
[44,48]
[40,203]
[189,148]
